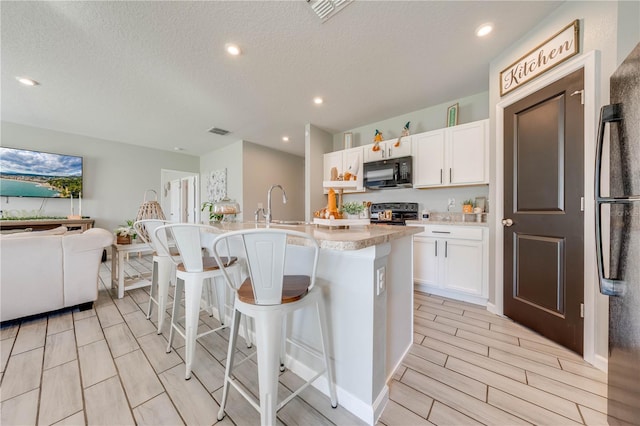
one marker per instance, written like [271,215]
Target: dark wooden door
[543,187]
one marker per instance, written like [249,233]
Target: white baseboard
[469,298]
[491,307]
[367,413]
[601,363]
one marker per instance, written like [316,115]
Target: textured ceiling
[155,73]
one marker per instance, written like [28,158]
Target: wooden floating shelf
[340,184]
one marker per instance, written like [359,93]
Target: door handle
[608,286]
[507,222]
[440,175]
[446,248]
[436,248]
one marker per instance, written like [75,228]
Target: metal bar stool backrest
[187,239]
[265,252]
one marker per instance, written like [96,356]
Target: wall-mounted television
[25,173]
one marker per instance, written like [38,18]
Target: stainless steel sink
[290,222]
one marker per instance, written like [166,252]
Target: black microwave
[388,174]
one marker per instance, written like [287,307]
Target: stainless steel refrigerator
[622,206]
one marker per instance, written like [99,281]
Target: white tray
[341,222]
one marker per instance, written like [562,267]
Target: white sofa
[48,270]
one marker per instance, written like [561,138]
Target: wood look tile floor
[107,366]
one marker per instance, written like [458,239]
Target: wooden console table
[44,224]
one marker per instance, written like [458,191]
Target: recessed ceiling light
[285,139]
[484,29]
[232,49]
[318,100]
[178,148]
[27,81]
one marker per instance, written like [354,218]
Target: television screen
[26,173]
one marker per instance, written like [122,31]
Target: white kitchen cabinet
[388,150]
[350,160]
[452,261]
[453,156]
[428,158]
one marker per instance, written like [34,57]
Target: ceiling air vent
[218,131]
[325,9]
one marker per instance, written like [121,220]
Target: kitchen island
[366,274]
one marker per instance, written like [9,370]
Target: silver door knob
[507,222]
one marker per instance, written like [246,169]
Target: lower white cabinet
[452,261]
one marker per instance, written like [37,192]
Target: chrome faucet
[267,214]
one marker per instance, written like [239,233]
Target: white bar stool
[164,271]
[190,276]
[268,295]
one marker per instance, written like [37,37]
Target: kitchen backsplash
[435,199]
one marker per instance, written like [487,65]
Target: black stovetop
[400,213]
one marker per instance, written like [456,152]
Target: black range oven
[393,213]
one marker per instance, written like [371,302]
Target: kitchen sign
[557,49]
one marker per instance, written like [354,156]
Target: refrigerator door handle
[608,286]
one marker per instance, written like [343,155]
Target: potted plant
[213,217]
[124,233]
[467,206]
[353,209]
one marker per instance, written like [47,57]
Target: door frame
[166,176]
[590,61]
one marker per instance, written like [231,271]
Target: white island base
[366,276]
[369,296]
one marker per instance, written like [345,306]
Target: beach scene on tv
[25,173]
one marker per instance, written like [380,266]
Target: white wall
[600,32]
[317,143]
[228,157]
[264,167]
[251,170]
[116,175]
[470,108]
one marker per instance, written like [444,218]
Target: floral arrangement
[126,230]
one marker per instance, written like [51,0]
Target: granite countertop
[354,238]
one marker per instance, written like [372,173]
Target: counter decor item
[467,206]
[452,115]
[377,138]
[405,132]
[125,233]
[353,209]
[225,209]
[148,210]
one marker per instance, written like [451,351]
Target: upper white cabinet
[453,156]
[348,160]
[428,158]
[388,149]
